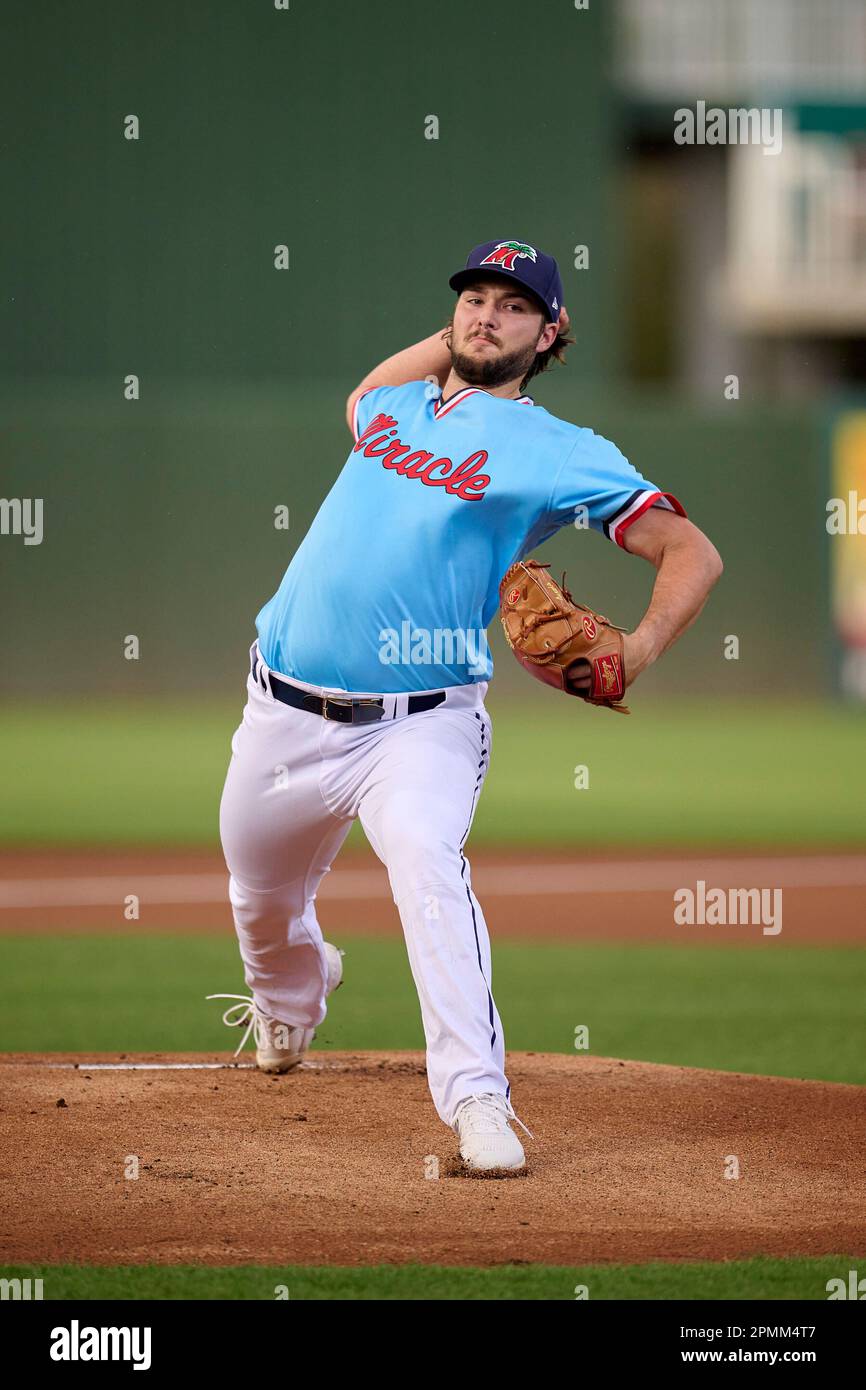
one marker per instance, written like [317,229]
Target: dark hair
[556,351]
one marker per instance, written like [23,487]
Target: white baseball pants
[295,784]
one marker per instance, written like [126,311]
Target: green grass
[758,1278]
[792,1011]
[688,773]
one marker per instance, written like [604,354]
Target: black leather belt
[337,707]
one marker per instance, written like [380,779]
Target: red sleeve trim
[650,500]
[355,431]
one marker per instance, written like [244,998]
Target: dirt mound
[329,1165]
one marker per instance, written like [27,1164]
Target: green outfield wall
[377,142]
[310,127]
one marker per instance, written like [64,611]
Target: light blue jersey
[395,583]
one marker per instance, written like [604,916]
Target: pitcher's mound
[344,1161]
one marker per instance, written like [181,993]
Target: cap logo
[507,252]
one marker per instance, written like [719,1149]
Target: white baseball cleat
[279,1046]
[486,1140]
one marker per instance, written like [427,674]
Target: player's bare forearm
[687,566]
[685,576]
[428,358]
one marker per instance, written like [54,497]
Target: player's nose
[486,323]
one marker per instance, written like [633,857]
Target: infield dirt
[327,1165]
[563,897]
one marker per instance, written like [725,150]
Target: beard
[490,370]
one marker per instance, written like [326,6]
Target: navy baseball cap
[516,260]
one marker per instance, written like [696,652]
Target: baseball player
[365,696]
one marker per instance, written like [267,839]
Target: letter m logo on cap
[507,252]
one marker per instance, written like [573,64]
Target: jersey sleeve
[610,493]
[377,399]
[363,412]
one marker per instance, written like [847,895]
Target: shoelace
[489,1113]
[248,1014]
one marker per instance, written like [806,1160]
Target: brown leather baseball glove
[550,634]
